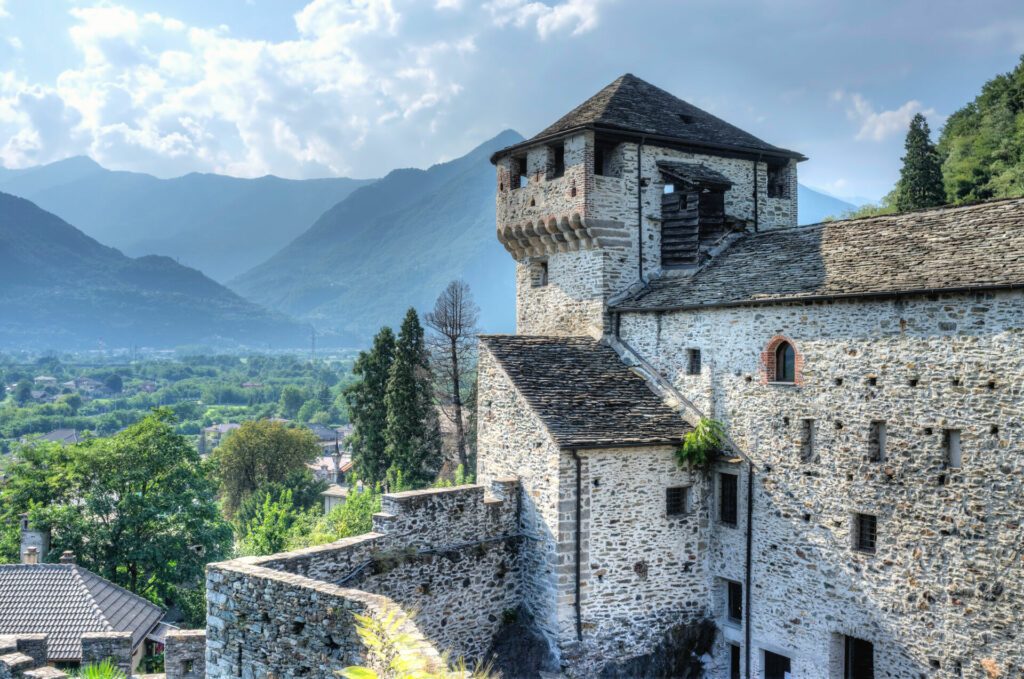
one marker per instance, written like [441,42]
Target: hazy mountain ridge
[395,244]
[60,289]
[814,206]
[218,224]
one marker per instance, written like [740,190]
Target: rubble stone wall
[938,597]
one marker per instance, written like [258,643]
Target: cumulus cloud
[575,16]
[876,125]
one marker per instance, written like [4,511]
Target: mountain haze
[220,225]
[61,289]
[395,244]
[814,206]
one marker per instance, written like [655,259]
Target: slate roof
[583,393]
[952,248]
[632,105]
[66,601]
[694,173]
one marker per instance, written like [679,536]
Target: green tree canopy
[920,184]
[412,436]
[135,508]
[367,407]
[291,400]
[260,452]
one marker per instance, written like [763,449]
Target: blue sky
[307,88]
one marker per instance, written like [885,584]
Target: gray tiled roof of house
[583,393]
[66,601]
[632,105]
[952,248]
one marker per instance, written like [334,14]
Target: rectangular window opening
[734,661]
[806,440]
[603,152]
[865,532]
[670,188]
[858,659]
[776,666]
[734,601]
[538,274]
[693,361]
[521,177]
[676,501]
[778,187]
[728,498]
[876,441]
[558,153]
[953,449]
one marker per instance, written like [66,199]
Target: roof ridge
[90,596]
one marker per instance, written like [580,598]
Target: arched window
[785,363]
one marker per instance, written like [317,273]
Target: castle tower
[632,184]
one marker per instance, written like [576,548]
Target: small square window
[734,601]
[865,532]
[693,361]
[728,498]
[676,500]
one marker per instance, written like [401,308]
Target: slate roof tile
[974,246]
[583,393]
[66,601]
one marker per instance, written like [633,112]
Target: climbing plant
[702,445]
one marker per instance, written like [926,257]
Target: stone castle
[864,518]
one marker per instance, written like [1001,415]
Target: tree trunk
[460,432]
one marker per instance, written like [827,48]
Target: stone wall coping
[339,545]
[45,673]
[301,581]
[16,660]
[185,633]
[407,495]
[97,636]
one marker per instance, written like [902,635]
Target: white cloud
[880,125]
[576,16]
[3,9]
[15,42]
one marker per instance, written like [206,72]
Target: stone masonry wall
[185,654]
[512,442]
[450,555]
[939,597]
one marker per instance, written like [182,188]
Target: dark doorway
[776,666]
[859,659]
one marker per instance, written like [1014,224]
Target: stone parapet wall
[185,654]
[113,646]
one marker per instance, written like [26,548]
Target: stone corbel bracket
[547,236]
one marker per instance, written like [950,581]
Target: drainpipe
[579,539]
[757,217]
[747,585]
[640,211]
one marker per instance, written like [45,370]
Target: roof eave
[669,141]
[598,445]
[796,299]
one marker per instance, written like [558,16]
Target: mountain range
[343,255]
[220,225]
[61,289]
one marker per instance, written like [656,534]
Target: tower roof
[635,107]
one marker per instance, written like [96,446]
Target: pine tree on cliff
[920,183]
[368,409]
[413,434]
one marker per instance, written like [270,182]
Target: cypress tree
[920,183]
[368,410]
[413,435]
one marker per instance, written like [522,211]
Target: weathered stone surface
[185,654]
[115,646]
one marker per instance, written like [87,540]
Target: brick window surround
[768,361]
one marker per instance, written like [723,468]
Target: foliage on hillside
[982,144]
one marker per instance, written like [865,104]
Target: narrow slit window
[877,441]
[522,179]
[734,661]
[865,532]
[676,501]
[954,451]
[693,362]
[728,498]
[806,440]
[785,363]
[734,601]
[558,161]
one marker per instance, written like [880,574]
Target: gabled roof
[66,601]
[975,247]
[583,393]
[634,106]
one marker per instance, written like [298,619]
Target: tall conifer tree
[368,408]
[920,183]
[413,434]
